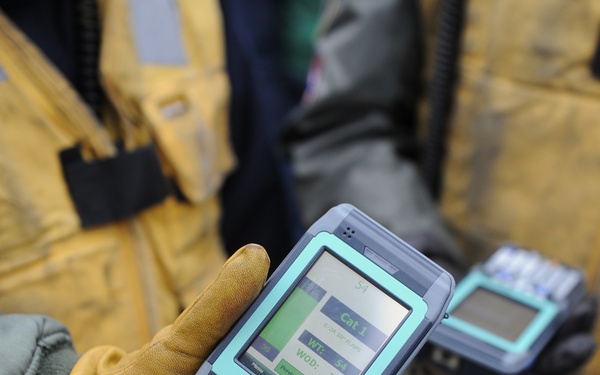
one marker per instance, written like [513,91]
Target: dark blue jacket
[257,199]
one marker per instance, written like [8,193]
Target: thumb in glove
[182,347]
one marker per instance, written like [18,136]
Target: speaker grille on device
[348,232]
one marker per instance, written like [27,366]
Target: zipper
[441,90]
[88,49]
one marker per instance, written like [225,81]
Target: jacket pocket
[188,118]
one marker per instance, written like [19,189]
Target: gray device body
[378,248]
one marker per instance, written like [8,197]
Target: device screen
[334,322]
[495,313]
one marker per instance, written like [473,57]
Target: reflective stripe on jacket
[162,66]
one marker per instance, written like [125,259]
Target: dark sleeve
[354,138]
[34,344]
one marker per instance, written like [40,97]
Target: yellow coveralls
[523,161]
[116,283]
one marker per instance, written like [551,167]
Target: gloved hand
[182,347]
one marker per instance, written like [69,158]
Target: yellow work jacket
[523,161]
[162,67]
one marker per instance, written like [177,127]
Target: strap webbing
[115,188]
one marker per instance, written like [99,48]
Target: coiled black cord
[441,92]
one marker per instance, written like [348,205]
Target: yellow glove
[182,347]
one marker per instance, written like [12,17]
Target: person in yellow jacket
[110,165]
[522,145]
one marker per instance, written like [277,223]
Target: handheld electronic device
[504,312]
[350,298]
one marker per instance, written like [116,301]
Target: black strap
[115,188]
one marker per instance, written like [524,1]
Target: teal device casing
[403,274]
[483,351]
